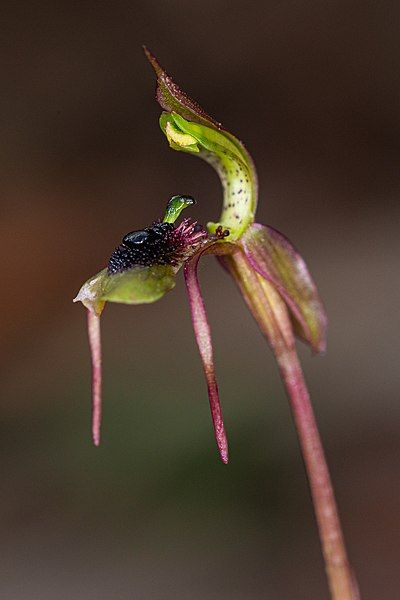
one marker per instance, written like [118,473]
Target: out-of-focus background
[312,88]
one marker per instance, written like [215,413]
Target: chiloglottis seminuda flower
[268,270]
[271,276]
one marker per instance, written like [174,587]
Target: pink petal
[273,256]
[95,349]
[204,342]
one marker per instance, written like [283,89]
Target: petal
[274,257]
[95,349]
[189,128]
[204,342]
[265,303]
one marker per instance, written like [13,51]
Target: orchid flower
[270,274]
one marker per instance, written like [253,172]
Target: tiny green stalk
[175,207]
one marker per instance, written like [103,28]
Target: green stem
[266,307]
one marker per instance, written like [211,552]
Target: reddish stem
[341,582]
[266,307]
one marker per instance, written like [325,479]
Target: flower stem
[271,315]
[341,582]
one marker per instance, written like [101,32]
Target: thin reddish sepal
[204,342]
[95,349]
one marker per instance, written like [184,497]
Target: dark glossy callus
[154,245]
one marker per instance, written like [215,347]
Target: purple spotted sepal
[188,128]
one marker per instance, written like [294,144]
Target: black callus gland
[151,246]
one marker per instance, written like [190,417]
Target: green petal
[139,285]
[188,128]
[272,255]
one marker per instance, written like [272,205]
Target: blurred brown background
[312,88]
